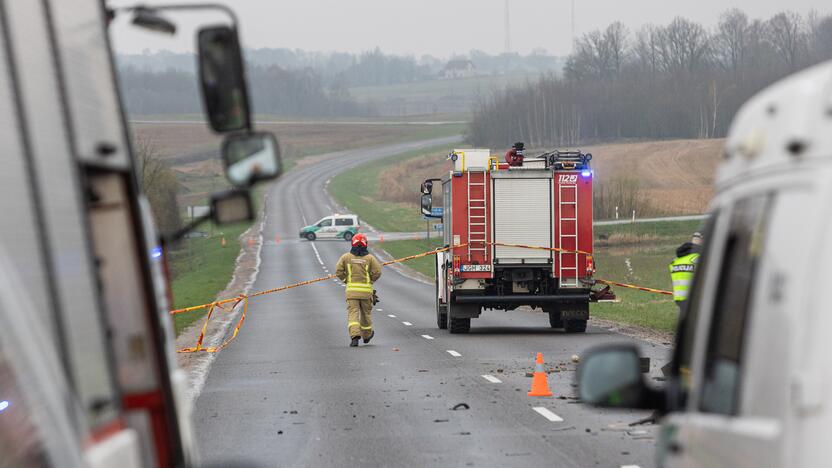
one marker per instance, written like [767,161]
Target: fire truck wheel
[441,316]
[574,326]
[441,309]
[554,319]
[310,236]
[459,325]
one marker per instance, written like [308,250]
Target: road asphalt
[290,392]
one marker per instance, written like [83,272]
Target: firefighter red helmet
[359,239]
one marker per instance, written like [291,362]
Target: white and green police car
[332,227]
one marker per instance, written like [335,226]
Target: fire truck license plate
[472,268]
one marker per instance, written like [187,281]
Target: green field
[359,190]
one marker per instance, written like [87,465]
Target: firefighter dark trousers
[360,317]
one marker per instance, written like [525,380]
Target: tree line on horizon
[674,81]
[299,83]
[274,90]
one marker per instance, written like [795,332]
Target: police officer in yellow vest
[359,270]
[683,268]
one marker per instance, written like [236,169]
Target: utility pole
[573,26]
[508,30]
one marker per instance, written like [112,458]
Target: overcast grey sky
[440,27]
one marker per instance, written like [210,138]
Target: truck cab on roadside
[751,375]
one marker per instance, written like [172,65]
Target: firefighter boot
[354,342]
[367,339]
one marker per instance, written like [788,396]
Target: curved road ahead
[290,392]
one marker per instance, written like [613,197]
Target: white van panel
[522,215]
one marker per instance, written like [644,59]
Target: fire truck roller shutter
[522,215]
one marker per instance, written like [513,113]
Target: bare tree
[731,41]
[158,183]
[684,46]
[788,36]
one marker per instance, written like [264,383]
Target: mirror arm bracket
[169,239]
[185,6]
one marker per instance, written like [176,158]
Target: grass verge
[202,269]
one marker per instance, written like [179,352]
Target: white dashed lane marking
[547,414]
[427,337]
[454,353]
[407,323]
[391,315]
[630,466]
[492,379]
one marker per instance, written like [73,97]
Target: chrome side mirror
[251,157]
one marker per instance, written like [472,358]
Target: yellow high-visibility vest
[682,270]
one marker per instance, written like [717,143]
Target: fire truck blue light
[156,252]
[586,173]
[3,405]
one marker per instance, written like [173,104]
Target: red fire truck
[518,235]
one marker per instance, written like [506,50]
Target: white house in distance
[458,69]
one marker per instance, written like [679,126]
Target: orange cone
[381,238]
[222,241]
[540,381]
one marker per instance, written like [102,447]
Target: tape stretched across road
[244,298]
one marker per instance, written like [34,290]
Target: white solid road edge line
[492,379]
[454,353]
[547,414]
[407,323]
[630,466]
[427,337]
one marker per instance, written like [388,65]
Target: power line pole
[507,28]
[573,26]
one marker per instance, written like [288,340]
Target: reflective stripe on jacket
[682,270]
[359,273]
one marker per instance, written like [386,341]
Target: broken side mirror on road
[610,376]
[250,158]
[222,78]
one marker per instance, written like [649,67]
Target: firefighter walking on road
[683,268]
[359,270]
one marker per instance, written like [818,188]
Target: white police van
[752,367]
[332,227]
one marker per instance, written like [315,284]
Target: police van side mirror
[222,78]
[251,157]
[610,377]
[427,204]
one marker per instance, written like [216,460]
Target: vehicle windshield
[157,191]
